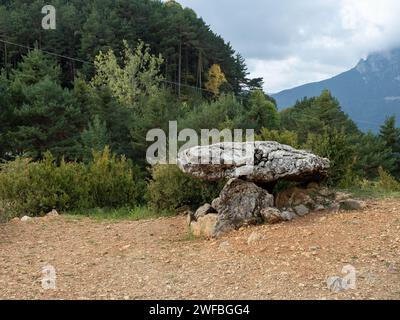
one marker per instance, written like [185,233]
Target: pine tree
[390,134]
[44,116]
[314,115]
[335,146]
[372,153]
[94,138]
[391,137]
[260,112]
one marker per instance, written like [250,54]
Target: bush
[387,182]
[34,188]
[284,137]
[170,189]
[335,146]
[111,181]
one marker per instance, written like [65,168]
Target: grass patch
[189,236]
[385,187]
[372,193]
[133,214]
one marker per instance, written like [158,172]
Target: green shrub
[335,146]
[285,137]
[111,181]
[34,188]
[170,189]
[387,182]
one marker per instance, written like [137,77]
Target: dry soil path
[156,259]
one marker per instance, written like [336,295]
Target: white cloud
[291,42]
[290,72]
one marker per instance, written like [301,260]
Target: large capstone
[260,162]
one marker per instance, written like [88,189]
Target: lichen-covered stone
[261,161]
[240,203]
[205,226]
[203,211]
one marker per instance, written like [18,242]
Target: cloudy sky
[292,42]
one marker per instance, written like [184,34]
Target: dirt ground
[156,259]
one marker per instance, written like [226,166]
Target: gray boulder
[26,219]
[274,215]
[240,203]
[351,204]
[288,215]
[261,161]
[205,226]
[204,210]
[52,213]
[301,210]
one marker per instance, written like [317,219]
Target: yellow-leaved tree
[215,79]
[138,76]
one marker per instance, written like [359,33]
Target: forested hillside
[188,45]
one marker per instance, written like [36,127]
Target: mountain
[369,92]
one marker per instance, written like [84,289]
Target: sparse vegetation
[136,213]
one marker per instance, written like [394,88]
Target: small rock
[14,220]
[26,219]
[205,226]
[351,204]
[271,215]
[53,213]
[254,237]
[203,211]
[334,207]
[319,208]
[125,247]
[301,210]
[288,215]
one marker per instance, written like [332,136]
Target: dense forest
[84,28]
[78,101]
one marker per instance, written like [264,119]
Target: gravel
[156,259]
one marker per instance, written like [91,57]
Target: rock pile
[247,197]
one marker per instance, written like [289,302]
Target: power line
[47,52]
[91,63]
[164,81]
